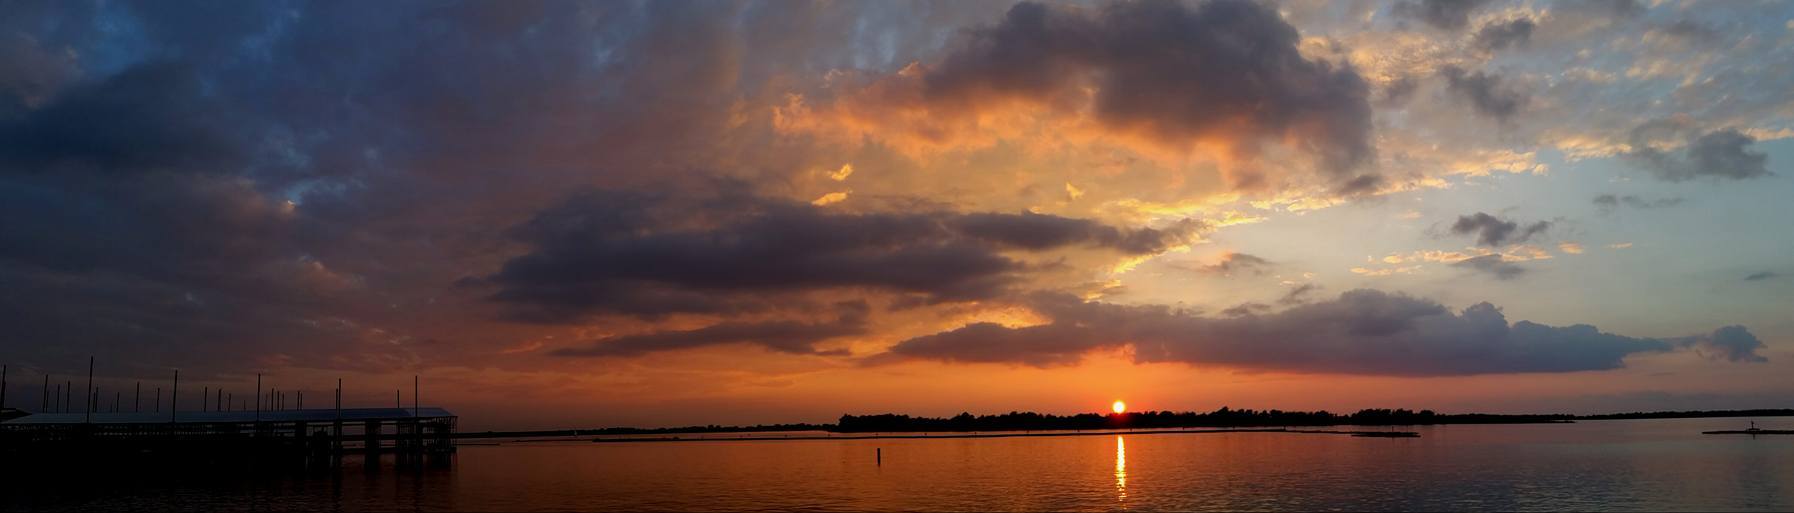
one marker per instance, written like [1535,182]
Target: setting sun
[1119,407]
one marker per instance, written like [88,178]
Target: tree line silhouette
[1224,417]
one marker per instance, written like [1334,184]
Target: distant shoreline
[942,428]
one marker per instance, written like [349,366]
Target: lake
[1591,465]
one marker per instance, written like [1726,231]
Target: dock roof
[198,417]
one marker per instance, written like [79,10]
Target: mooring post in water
[2,387]
[881,456]
[204,392]
[174,397]
[258,400]
[89,417]
[137,398]
[45,405]
[158,399]
[336,440]
[395,399]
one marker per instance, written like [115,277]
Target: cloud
[782,336]
[1495,231]
[1360,332]
[1442,14]
[1730,343]
[1298,294]
[630,253]
[149,117]
[1485,92]
[1501,35]
[1246,309]
[1717,154]
[1762,276]
[1238,262]
[1609,202]
[1224,74]
[1492,265]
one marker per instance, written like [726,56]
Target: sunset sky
[614,213]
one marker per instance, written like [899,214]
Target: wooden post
[45,405]
[89,417]
[881,456]
[258,398]
[2,387]
[158,399]
[414,388]
[204,392]
[174,397]
[137,398]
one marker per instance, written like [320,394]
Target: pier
[318,438]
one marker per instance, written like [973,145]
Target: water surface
[1593,465]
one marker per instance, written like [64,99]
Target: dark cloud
[1485,92]
[1502,35]
[1762,276]
[1494,231]
[782,336]
[620,252]
[1687,32]
[1298,294]
[1613,8]
[1609,201]
[1035,232]
[1246,309]
[150,117]
[1223,70]
[1238,262]
[1718,154]
[1492,265]
[1730,343]
[30,72]
[145,181]
[1360,332]
[1442,14]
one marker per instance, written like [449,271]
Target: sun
[1119,407]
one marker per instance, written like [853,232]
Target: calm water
[1601,465]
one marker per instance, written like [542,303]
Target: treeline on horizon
[1224,417]
[1693,414]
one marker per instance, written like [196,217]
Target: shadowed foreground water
[1596,465]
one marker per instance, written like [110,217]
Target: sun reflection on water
[1120,470]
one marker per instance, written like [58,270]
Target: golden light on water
[1119,407]
[1120,467]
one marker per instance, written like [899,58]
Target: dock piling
[89,389]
